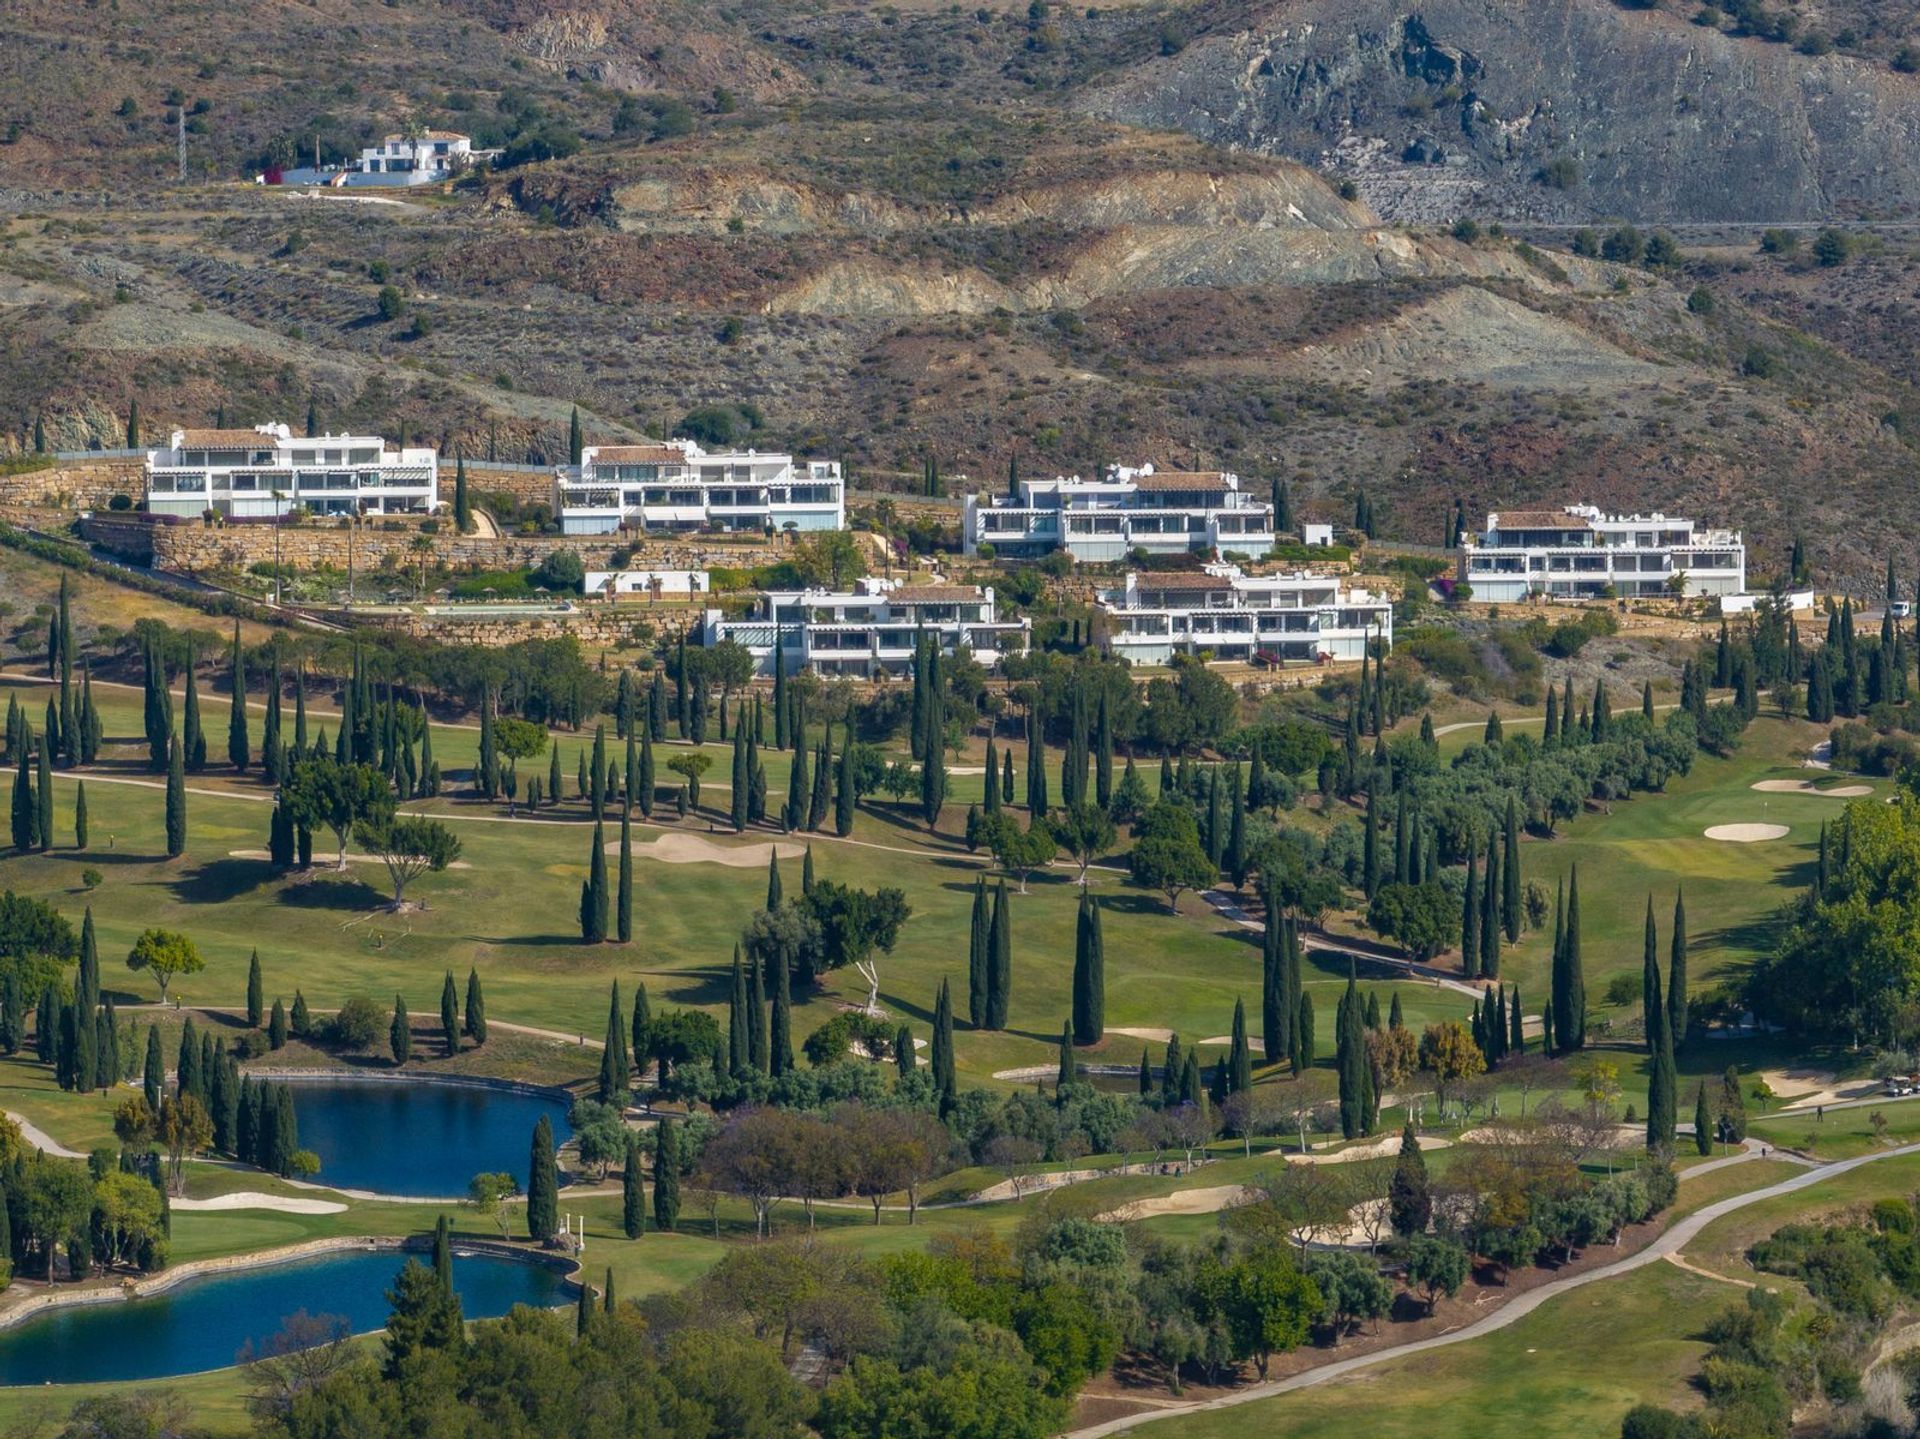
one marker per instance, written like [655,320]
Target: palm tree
[421,547]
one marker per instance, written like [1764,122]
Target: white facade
[1161,512]
[651,584]
[1316,536]
[422,159]
[267,471]
[679,486]
[1790,602]
[871,630]
[1581,552]
[1233,616]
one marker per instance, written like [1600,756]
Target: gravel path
[43,1141]
[1671,1242]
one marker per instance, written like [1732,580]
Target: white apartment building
[1159,511]
[650,585]
[871,630]
[679,486]
[266,471]
[1582,552]
[1300,617]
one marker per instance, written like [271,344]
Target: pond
[419,1139]
[205,1323]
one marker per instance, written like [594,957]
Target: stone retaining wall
[598,627]
[74,484]
[200,548]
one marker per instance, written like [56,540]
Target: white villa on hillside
[870,630]
[1233,616]
[676,485]
[1159,511]
[267,471]
[1581,552]
[422,159]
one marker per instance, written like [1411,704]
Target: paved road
[1672,1241]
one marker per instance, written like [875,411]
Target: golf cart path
[1671,1242]
[1228,908]
[41,1140]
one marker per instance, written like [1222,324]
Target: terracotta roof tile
[640,455]
[1149,581]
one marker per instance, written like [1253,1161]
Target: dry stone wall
[74,485]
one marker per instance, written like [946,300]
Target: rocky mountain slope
[1558,110]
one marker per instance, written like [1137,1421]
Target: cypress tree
[1303,1028]
[1702,1121]
[1510,874]
[1173,1064]
[942,1049]
[543,1185]
[187,1066]
[449,1013]
[633,1192]
[26,811]
[1677,973]
[400,1031]
[176,801]
[1240,1054]
[192,729]
[1068,1071]
[277,1025]
[1516,1026]
[666,1177]
[46,1022]
[1394,1018]
[239,747]
[256,1000]
[153,1071]
[741,778]
[806,871]
[1191,1090]
[1102,755]
[476,1017]
[462,500]
[642,1028]
[1470,915]
[1036,767]
[1575,1036]
[738,1061]
[979,959]
[80,814]
[1299,1041]
[616,1076]
[819,798]
[1409,1193]
[756,1019]
[1650,983]
[845,796]
[1273,987]
[999,960]
[624,908]
[1351,1060]
[904,1058]
[1089,974]
[1490,915]
[593,892]
[1661,1083]
[780,1042]
[13,1023]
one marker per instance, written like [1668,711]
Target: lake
[204,1323]
[419,1139]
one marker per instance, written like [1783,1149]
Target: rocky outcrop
[1542,109]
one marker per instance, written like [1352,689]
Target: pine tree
[1677,974]
[176,801]
[256,997]
[543,1185]
[633,1192]
[239,748]
[666,1177]
[999,960]
[400,1032]
[1089,974]
[475,1023]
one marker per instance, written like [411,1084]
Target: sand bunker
[1185,1201]
[324,861]
[1386,1147]
[676,848]
[252,1199]
[1746,833]
[1157,1036]
[1801,786]
[1257,1045]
